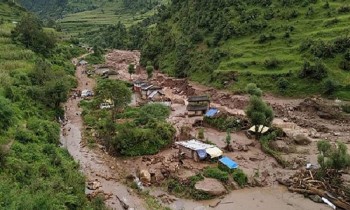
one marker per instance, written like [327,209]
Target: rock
[234,185]
[316,198]
[301,139]
[285,119]
[210,186]
[94,185]
[145,177]
[279,145]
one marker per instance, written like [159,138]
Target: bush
[330,86]
[271,63]
[253,90]
[240,177]
[333,157]
[282,84]
[317,71]
[216,173]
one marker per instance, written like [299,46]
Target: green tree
[149,69]
[259,113]
[333,157]
[114,90]
[330,86]
[228,138]
[29,31]
[253,90]
[131,69]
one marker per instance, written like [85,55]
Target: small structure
[86,93]
[227,163]
[212,112]
[144,90]
[157,95]
[198,105]
[197,150]
[82,63]
[137,85]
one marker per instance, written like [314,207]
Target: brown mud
[316,118]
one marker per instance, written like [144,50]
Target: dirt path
[95,164]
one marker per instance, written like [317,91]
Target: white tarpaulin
[262,129]
[214,152]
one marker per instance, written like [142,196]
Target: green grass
[107,13]
[247,55]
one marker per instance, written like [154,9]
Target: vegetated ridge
[35,173]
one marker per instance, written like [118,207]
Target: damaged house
[198,105]
[198,150]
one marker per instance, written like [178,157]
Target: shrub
[330,86]
[317,71]
[271,63]
[240,177]
[322,49]
[282,84]
[333,157]
[253,90]
[216,173]
[344,9]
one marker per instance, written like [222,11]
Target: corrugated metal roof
[228,162]
[194,145]
[198,98]
[211,112]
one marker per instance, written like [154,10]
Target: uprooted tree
[259,113]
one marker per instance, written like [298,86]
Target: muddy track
[95,164]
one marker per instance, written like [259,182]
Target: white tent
[262,129]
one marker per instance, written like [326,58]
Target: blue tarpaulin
[211,112]
[228,162]
[202,154]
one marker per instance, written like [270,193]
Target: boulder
[145,177]
[279,145]
[301,139]
[210,186]
[94,185]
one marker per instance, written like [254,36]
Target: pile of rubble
[319,189]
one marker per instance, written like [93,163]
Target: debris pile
[327,187]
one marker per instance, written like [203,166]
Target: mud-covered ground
[315,118]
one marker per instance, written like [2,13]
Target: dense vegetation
[292,48]
[35,173]
[139,131]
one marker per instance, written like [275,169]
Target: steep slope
[231,43]
[35,173]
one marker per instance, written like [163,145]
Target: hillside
[80,16]
[234,43]
[35,173]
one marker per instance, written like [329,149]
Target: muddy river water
[96,166]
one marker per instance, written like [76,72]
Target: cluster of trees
[145,130]
[29,31]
